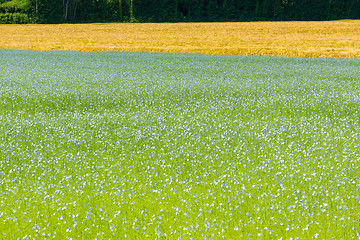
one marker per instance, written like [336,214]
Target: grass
[338,39]
[172,146]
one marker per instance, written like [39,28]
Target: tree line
[86,11]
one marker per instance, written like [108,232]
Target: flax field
[117,145]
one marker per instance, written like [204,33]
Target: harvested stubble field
[295,39]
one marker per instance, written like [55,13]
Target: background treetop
[86,11]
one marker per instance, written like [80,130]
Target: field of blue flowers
[171,146]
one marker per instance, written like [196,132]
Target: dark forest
[89,11]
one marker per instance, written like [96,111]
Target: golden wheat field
[295,39]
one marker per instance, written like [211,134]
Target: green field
[174,146]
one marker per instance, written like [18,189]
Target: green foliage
[14,6]
[15,11]
[17,18]
[57,11]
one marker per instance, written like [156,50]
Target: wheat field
[339,39]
